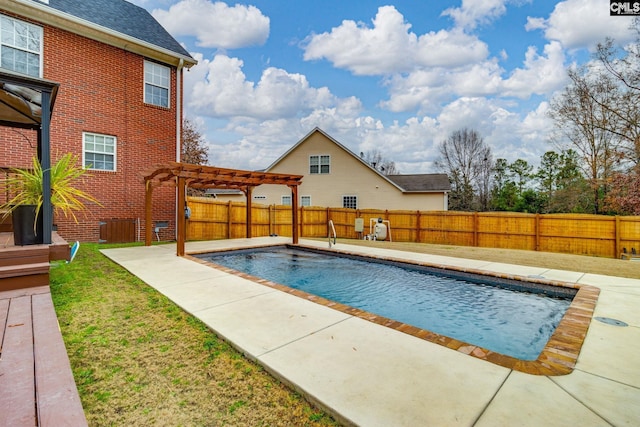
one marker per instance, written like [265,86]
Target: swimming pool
[481,311]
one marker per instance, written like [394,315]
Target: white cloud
[444,80]
[473,12]
[412,145]
[509,135]
[582,24]
[215,25]
[427,89]
[542,74]
[219,88]
[389,47]
[258,143]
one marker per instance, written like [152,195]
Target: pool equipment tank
[379,230]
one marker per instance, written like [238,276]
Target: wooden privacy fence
[581,234]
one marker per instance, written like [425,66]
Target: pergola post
[182,221]
[294,213]
[148,200]
[44,143]
[248,191]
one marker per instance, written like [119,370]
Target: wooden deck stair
[28,266]
[24,267]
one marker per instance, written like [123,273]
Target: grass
[140,360]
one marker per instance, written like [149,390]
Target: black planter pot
[26,229]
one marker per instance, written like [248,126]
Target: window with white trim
[99,151]
[350,202]
[319,164]
[305,200]
[156,84]
[286,200]
[20,46]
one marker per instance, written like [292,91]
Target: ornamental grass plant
[25,187]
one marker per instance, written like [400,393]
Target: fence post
[271,220]
[326,220]
[475,229]
[229,222]
[417,239]
[616,253]
[537,229]
[301,229]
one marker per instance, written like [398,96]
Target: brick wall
[101,91]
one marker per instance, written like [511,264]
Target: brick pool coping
[558,357]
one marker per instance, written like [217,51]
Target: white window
[319,164]
[20,46]
[286,200]
[156,84]
[305,200]
[350,202]
[99,152]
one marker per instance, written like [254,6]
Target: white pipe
[179,109]
[178,134]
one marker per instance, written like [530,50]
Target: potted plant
[25,202]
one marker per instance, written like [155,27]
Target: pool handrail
[332,228]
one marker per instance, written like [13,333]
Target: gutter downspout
[179,209]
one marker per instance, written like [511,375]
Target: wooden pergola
[184,175]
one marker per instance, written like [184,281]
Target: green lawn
[139,360]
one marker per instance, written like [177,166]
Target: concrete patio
[369,375]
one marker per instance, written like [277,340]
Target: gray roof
[122,17]
[422,182]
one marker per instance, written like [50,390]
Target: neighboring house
[119,103]
[336,177]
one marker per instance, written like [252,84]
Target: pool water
[472,310]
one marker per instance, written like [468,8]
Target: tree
[468,162]
[624,197]
[503,192]
[623,65]
[531,201]
[582,118]
[194,148]
[522,171]
[510,180]
[561,182]
[375,160]
[505,197]
[548,172]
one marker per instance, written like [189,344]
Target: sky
[396,77]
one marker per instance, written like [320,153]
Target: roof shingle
[422,182]
[122,17]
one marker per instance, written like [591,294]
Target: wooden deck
[36,382]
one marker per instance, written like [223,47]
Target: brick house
[118,107]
